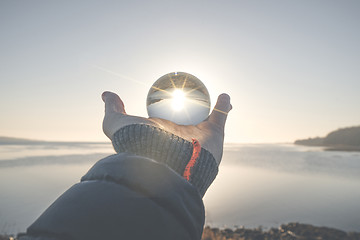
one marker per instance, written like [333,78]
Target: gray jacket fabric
[124,196]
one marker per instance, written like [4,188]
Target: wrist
[167,148]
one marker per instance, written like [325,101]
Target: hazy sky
[291,67]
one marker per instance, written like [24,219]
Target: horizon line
[17,140]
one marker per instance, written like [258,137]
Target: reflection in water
[273,184]
[250,197]
[26,191]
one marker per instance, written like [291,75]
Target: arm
[141,192]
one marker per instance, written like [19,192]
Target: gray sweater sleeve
[165,147]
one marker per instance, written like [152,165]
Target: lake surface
[258,184]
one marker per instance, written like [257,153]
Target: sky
[290,67]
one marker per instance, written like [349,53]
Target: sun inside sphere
[179,97]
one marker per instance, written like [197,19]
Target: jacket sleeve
[124,196]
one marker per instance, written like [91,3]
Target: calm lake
[258,184]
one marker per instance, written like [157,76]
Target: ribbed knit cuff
[165,147]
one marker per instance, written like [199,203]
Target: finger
[113,103]
[221,110]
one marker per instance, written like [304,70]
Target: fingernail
[103,95]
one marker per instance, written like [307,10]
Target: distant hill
[318,141]
[23,141]
[347,139]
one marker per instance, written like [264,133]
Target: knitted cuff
[165,147]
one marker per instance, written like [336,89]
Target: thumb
[221,110]
[113,103]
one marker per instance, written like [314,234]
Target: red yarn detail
[193,159]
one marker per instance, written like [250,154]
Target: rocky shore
[290,231]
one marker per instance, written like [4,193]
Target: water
[33,176]
[258,184]
[269,185]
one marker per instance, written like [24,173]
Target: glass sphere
[179,97]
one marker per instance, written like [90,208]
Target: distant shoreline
[339,147]
[343,148]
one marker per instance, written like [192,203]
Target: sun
[178,100]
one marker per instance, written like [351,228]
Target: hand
[210,132]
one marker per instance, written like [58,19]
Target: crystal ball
[179,97]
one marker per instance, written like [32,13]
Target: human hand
[210,132]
